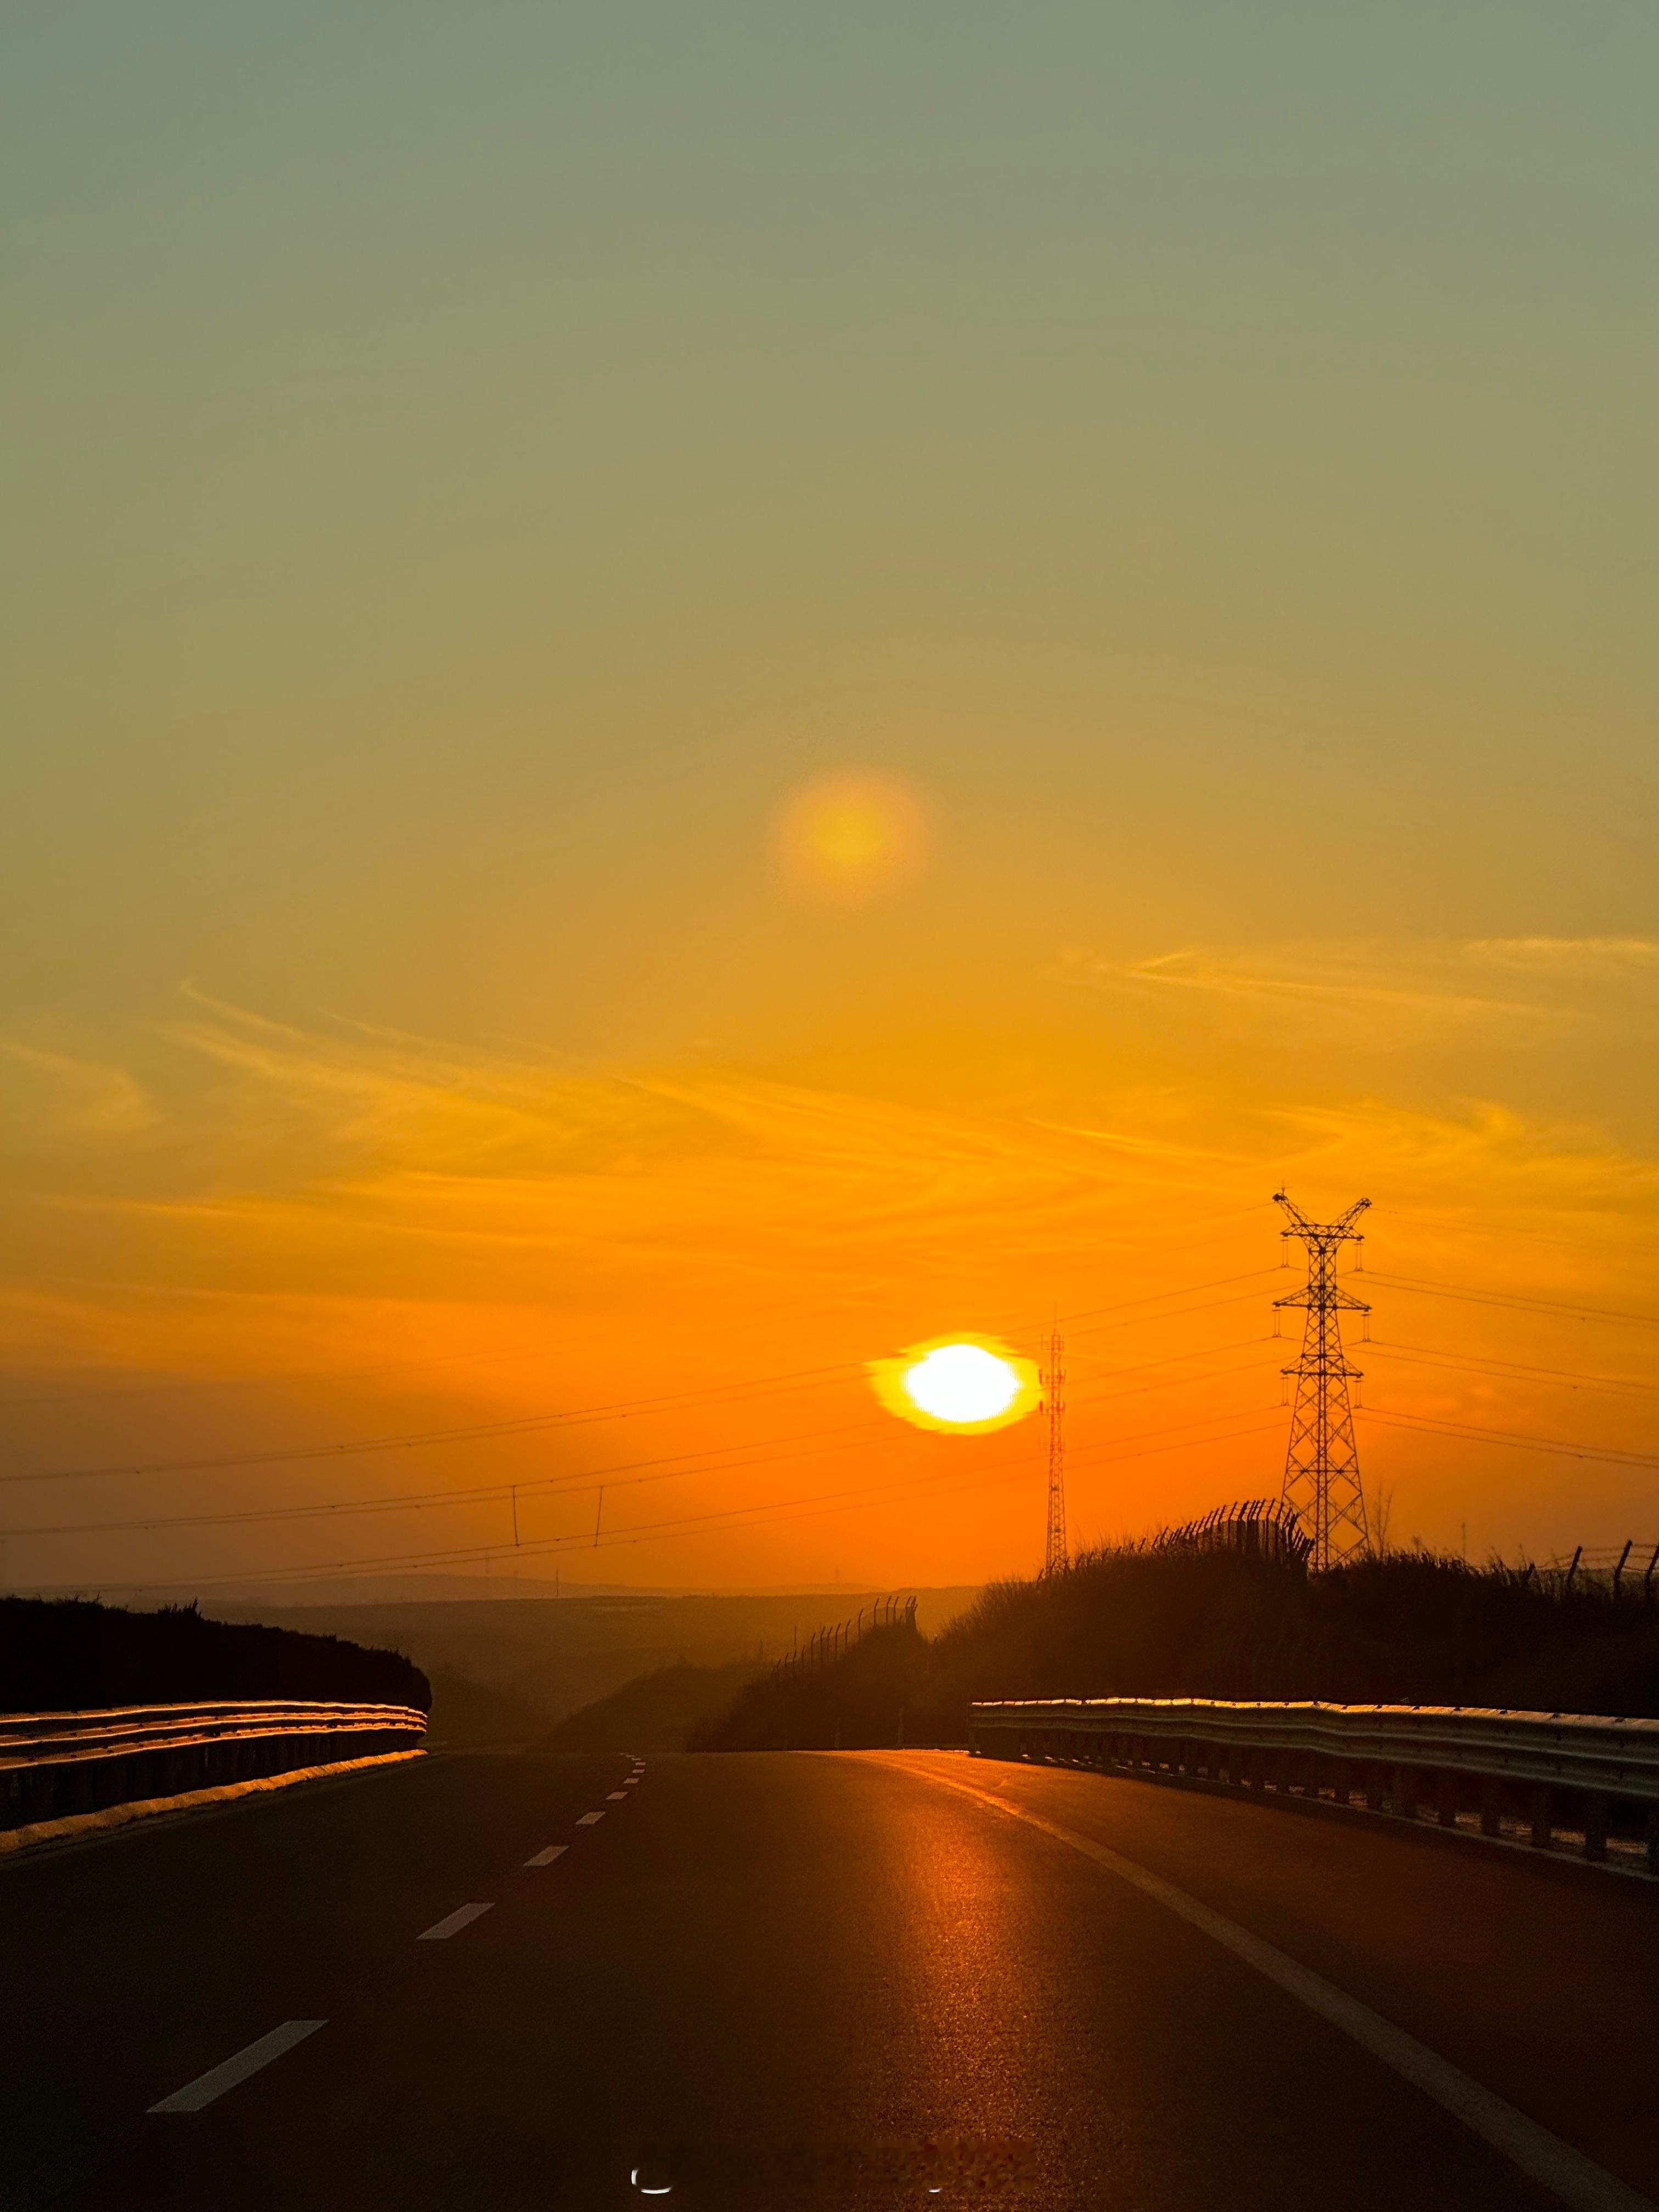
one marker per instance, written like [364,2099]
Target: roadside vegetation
[73,1654]
[1143,1620]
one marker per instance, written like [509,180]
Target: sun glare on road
[966,1383]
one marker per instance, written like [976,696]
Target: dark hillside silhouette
[1174,1620]
[69,1655]
[658,1712]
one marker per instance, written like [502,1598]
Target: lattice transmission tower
[1321,1465]
[1054,1405]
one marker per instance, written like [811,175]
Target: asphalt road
[804,1978]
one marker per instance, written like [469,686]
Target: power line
[1175,1313]
[781,1508]
[527,1424]
[1115,1445]
[1420,1355]
[577,1481]
[469,1432]
[620,1475]
[1516,1303]
[1514,1439]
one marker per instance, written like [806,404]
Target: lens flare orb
[846,840]
[966,1384]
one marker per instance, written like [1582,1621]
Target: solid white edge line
[217,2079]
[547,1857]
[1575,2180]
[453,1923]
[588,1818]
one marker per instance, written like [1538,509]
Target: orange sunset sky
[699,693]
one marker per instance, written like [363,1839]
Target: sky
[696,693]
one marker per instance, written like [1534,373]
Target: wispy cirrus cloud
[1582,955]
[1403,986]
[56,1096]
[1395,995]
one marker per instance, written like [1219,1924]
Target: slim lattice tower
[1054,1405]
[1321,1466]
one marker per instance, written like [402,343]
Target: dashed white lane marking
[452,1924]
[618,1796]
[217,2079]
[1575,2180]
[547,1857]
[588,1818]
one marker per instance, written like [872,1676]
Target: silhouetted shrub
[857,1702]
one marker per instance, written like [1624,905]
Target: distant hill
[333,1590]
[534,1660]
[659,1711]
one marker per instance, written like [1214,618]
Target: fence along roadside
[828,1644]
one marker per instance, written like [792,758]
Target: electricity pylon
[1321,1465]
[1054,1405]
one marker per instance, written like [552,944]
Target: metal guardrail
[55,1764]
[1503,1771]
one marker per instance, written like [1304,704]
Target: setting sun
[964,1383]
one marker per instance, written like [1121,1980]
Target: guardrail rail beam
[1474,1767]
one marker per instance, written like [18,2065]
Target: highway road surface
[849,1980]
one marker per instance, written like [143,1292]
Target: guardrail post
[1403,1795]
[1542,1801]
[1491,1801]
[1446,1796]
[1653,1840]
[1596,1825]
[1375,1790]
